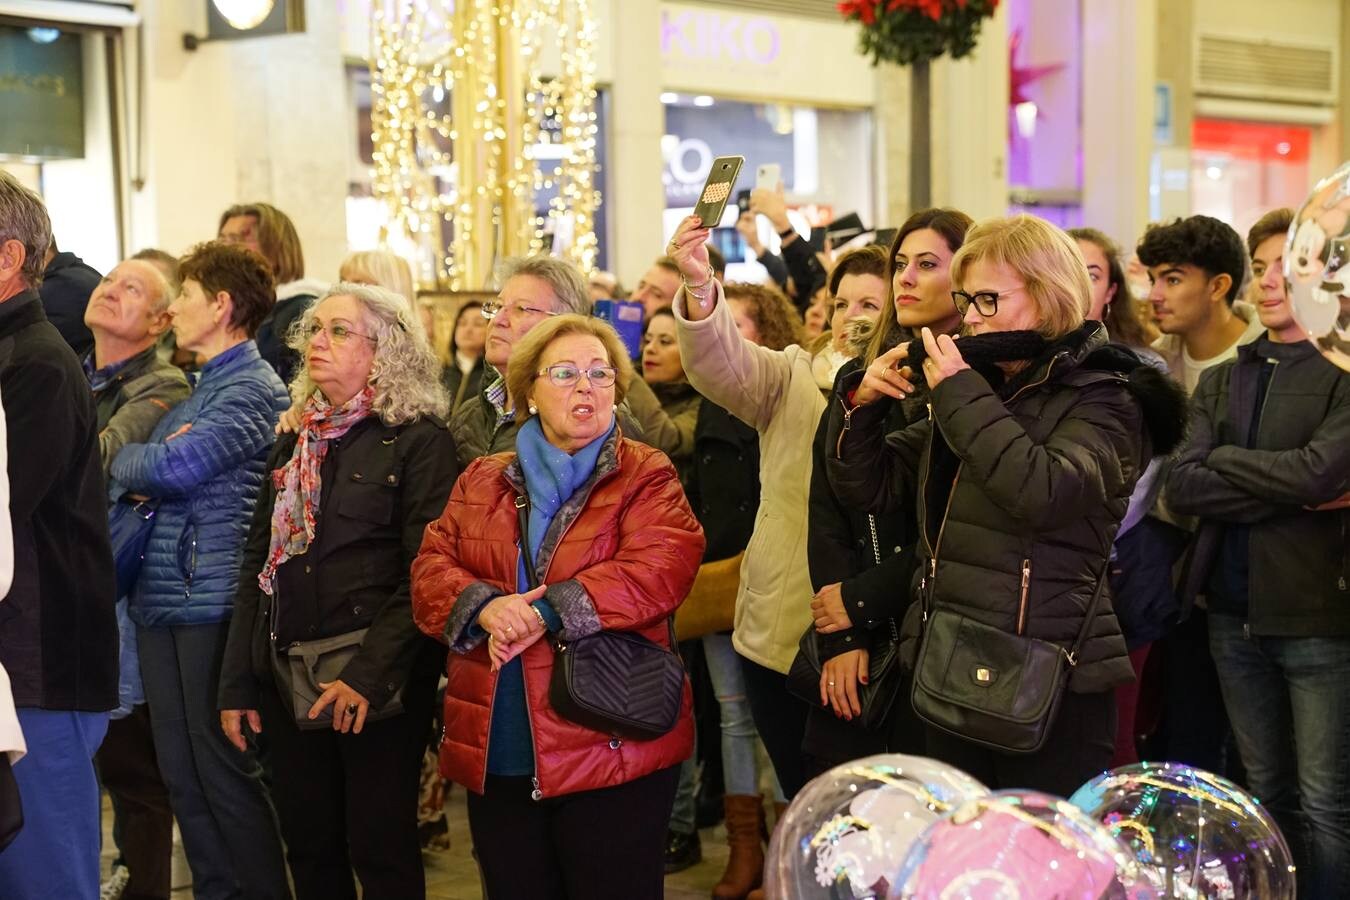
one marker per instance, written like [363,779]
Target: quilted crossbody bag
[614,682]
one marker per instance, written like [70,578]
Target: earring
[534,410]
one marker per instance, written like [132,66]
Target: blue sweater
[551,477]
[207,482]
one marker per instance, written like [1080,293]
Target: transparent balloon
[1317,266]
[1195,835]
[1018,845]
[847,831]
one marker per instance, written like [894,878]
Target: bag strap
[523,513]
[1087,619]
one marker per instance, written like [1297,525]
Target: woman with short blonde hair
[381,268]
[525,357]
[1038,430]
[1047,259]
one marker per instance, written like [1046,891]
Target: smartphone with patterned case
[717,189]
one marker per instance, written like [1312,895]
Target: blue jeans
[56,852]
[739,737]
[1290,712]
[228,825]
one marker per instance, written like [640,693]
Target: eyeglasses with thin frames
[565,375]
[986,302]
[337,333]
[491,308]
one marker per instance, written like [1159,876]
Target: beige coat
[774,392]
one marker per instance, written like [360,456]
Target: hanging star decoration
[1020,77]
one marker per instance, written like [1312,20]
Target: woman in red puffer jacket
[616,547]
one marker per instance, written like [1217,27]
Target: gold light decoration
[474,173]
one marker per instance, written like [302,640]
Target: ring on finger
[830,683]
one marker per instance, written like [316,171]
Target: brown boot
[756,894]
[745,865]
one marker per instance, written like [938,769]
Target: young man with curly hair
[1197,268]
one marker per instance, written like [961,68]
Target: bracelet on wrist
[788,232]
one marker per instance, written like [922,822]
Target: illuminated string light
[472,172]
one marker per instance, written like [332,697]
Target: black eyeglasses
[986,302]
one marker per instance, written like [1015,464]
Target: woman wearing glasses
[1038,432]
[326,596]
[557,809]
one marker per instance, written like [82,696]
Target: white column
[970,125]
[635,195]
[1120,42]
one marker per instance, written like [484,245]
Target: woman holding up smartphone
[779,394]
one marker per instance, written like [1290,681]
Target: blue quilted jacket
[207,481]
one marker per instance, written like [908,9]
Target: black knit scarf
[982,351]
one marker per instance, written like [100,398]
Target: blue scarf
[552,476]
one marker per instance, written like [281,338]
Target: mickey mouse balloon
[1317,266]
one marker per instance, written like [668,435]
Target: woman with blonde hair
[379,267]
[326,600]
[1039,431]
[580,532]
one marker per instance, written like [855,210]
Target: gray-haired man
[58,635]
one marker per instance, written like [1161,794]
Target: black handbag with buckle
[614,682]
[991,687]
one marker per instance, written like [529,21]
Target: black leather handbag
[989,686]
[614,682]
[876,697]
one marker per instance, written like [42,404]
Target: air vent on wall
[811,9]
[1251,68]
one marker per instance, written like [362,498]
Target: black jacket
[870,555]
[271,337]
[58,632]
[805,269]
[459,386]
[66,286]
[723,482]
[1020,488]
[1298,559]
[381,486]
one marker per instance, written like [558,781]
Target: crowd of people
[288,557]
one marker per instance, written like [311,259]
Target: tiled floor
[451,875]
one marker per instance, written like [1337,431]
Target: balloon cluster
[898,826]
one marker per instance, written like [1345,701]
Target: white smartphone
[767,175]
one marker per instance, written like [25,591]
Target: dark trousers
[1079,747]
[780,719]
[349,801]
[142,817]
[591,845]
[1194,717]
[1290,711]
[226,818]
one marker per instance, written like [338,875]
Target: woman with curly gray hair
[322,647]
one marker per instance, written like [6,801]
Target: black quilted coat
[1020,487]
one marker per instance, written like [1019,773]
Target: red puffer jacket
[620,555]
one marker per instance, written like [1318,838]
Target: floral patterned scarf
[297,483]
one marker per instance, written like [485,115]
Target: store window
[1241,170]
[825,156]
[56,106]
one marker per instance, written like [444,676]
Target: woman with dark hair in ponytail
[858,560]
